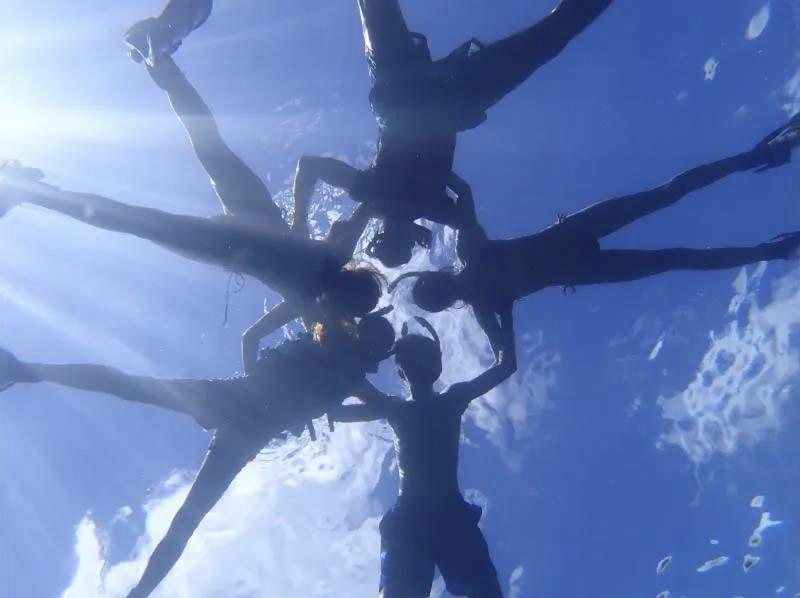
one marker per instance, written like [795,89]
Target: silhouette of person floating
[431,524]
[496,271]
[421,105]
[290,385]
[251,237]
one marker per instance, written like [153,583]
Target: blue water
[587,478]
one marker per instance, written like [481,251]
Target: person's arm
[487,320]
[369,394]
[226,457]
[271,321]
[310,169]
[470,232]
[345,233]
[240,190]
[356,413]
[375,405]
[464,392]
[465,202]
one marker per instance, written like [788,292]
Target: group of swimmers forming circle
[421,105]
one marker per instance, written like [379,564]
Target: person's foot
[776,148]
[137,38]
[11,370]
[14,178]
[785,246]
[150,40]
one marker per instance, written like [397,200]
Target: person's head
[375,338]
[394,243]
[433,291]
[418,357]
[363,345]
[352,292]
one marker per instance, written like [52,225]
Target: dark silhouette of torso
[427,436]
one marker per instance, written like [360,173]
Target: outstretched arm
[487,320]
[226,457]
[369,394]
[464,392]
[470,232]
[239,189]
[271,321]
[356,413]
[376,405]
[310,169]
[465,202]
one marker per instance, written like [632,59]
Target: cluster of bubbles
[749,561]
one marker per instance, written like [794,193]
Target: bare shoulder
[456,394]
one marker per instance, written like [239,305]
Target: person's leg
[226,457]
[463,555]
[622,265]
[390,47]
[482,78]
[281,261]
[191,14]
[206,240]
[407,566]
[310,169]
[241,192]
[605,217]
[188,397]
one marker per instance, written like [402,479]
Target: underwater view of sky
[648,420]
